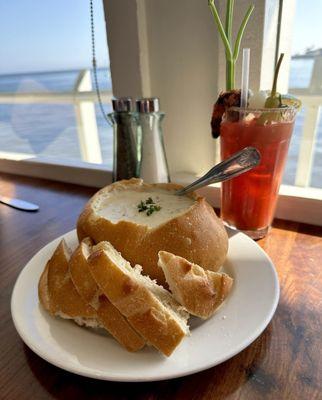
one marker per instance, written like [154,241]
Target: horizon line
[51,71]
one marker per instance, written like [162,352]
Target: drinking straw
[245,79]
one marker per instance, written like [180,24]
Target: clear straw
[245,79]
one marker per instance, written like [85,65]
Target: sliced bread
[108,315]
[149,308]
[200,292]
[58,294]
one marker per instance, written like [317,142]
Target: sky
[45,35]
[307,25]
[48,35]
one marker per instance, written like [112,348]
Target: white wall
[123,45]
[177,46]
[183,68]
[287,29]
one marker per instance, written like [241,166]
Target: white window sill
[77,172]
[295,203]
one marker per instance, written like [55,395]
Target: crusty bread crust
[80,274]
[197,235]
[199,291]
[108,315]
[44,299]
[135,301]
[43,289]
[64,299]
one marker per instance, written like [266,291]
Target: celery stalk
[231,51]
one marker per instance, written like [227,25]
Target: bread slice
[45,302]
[184,225]
[149,308]
[58,294]
[200,292]
[108,315]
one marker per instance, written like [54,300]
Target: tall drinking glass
[248,202]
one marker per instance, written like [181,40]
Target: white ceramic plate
[241,319]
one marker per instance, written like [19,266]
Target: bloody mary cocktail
[248,201]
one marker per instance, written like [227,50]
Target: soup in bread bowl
[140,219]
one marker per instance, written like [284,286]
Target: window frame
[143,78]
[75,172]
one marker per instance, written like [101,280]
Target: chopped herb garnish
[149,206]
[142,206]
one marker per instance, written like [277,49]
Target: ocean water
[50,129]
[300,75]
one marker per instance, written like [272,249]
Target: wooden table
[285,362]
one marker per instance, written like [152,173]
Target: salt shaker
[153,165]
[126,142]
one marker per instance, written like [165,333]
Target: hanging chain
[95,64]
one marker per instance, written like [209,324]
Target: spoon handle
[19,204]
[233,166]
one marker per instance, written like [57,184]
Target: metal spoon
[235,165]
[19,204]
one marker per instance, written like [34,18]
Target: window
[169,49]
[304,167]
[45,67]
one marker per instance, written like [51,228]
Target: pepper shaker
[153,165]
[126,143]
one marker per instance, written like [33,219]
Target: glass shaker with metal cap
[153,166]
[126,150]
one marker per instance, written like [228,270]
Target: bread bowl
[185,225]
[200,292]
[107,314]
[149,308]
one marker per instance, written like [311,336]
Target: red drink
[248,201]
